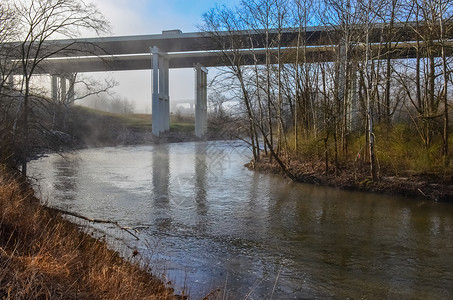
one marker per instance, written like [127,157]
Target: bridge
[187,103]
[198,50]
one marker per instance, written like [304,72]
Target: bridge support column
[63,90]
[10,81]
[201,100]
[160,92]
[60,91]
[165,97]
[54,88]
[71,93]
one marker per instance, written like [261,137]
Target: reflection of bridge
[174,49]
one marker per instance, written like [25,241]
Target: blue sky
[138,17]
[130,17]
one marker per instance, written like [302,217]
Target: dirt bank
[437,187]
[43,256]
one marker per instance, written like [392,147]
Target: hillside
[93,128]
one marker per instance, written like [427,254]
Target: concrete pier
[201,100]
[59,89]
[160,92]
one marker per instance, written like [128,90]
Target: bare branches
[8,33]
[42,20]
[94,220]
[92,87]
[34,23]
[364,80]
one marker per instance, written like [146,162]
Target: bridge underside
[144,61]
[63,80]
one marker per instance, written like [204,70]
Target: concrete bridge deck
[177,41]
[83,64]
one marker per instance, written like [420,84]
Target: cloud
[136,86]
[150,17]
[124,16]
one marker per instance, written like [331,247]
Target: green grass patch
[182,127]
[178,123]
[132,121]
[399,150]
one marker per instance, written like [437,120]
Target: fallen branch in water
[93,220]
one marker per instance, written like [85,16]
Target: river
[204,221]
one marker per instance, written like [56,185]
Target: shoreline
[115,131]
[418,186]
[305,172]
[44,255]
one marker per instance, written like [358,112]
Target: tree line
[302,100]
[27,28]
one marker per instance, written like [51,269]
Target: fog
[136,86]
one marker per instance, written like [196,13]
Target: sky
[141,17]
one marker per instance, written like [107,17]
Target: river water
[206,222]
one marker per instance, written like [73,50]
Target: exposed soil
[437,187]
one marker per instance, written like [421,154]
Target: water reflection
[66,176]
[362,242]
[161,176]
[201,168]
[218,222]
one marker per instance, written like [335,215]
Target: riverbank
[434,187]
[89,128]
[44,256]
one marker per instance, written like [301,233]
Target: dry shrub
[43,256]
[401,151]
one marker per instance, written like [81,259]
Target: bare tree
[217,101]
[264,13]
[343,17]
[8,33]
[444,8]
[79,87]
[39,22]
[362,76]
[223,19]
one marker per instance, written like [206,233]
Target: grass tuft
[43,256]
[399,151]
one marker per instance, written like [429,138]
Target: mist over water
[209,223]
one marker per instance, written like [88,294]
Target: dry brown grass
[43,256]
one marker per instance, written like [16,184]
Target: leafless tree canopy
[31,25]
[300,100]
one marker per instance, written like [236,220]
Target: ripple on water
[205,219]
